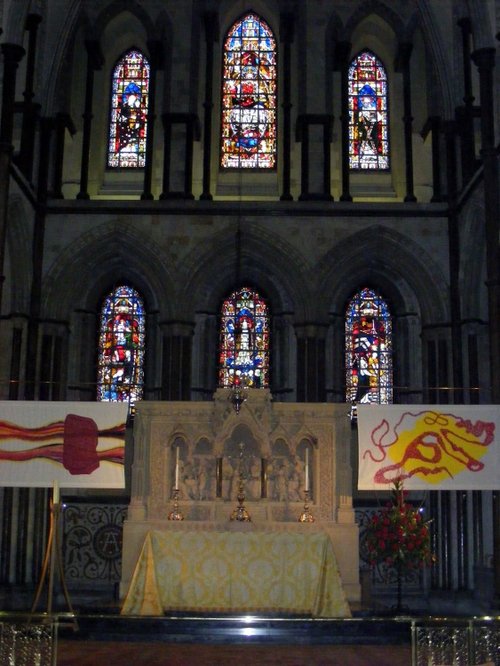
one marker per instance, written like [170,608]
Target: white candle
[177,469]
[55,492]
[306,488]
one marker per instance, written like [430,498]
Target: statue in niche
[205,475]
[253,486]
[196,478]
[286,477]
[229,479]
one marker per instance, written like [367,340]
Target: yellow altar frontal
[231,571]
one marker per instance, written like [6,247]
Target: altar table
[228,571]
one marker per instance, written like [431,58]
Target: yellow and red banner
[74,444]
[429,447]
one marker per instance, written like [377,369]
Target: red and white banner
[73,444]
[429,447]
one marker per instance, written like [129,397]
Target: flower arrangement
[398,536]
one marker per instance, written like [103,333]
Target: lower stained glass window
[121,347]
[244,340]
[368,349]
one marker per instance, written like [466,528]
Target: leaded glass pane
[368,113]
[121,347]
[129,112]
[248,135]
[244,340]
[368,341]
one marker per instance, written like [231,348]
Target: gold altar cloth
[236,572]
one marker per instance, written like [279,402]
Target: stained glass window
[249,96]
[121,347]
[368,338]
[129,111]
[244,340]
[368,119]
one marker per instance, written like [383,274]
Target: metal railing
[28,643]
[456,641]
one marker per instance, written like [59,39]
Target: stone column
[342,52]
[467,117]
[46,128]
[12,54]
[155,63]
[311,362]
[454,262]
[63,122]
[211,21]
[95,61]
[286,35]
[30,110]
[485,61]
[176,360]
[433,125]
[403,65]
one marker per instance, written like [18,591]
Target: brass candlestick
[240,513]
[306,516]
[176,514]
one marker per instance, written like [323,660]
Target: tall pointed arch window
[244,340]
[368,349]
[368,113]
[248,132]
[128,124]
[121,347]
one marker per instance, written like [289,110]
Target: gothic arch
[379,9]
[230,13]
[117,7]
[59,82]
[408,276]
[94,262]
[267,262]
[441,67]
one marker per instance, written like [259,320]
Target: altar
[273,453]
[236,571]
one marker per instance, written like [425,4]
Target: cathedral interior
[293,197]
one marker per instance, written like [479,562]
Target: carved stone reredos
[255,412]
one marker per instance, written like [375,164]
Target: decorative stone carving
[267,443]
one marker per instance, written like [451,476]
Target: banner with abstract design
[74,444]
[429,447]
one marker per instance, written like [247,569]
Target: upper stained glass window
[368,349]
[244,340]
[129,111]
[249,96]
[121,347]
[368,119]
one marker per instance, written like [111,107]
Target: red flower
[398,535]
